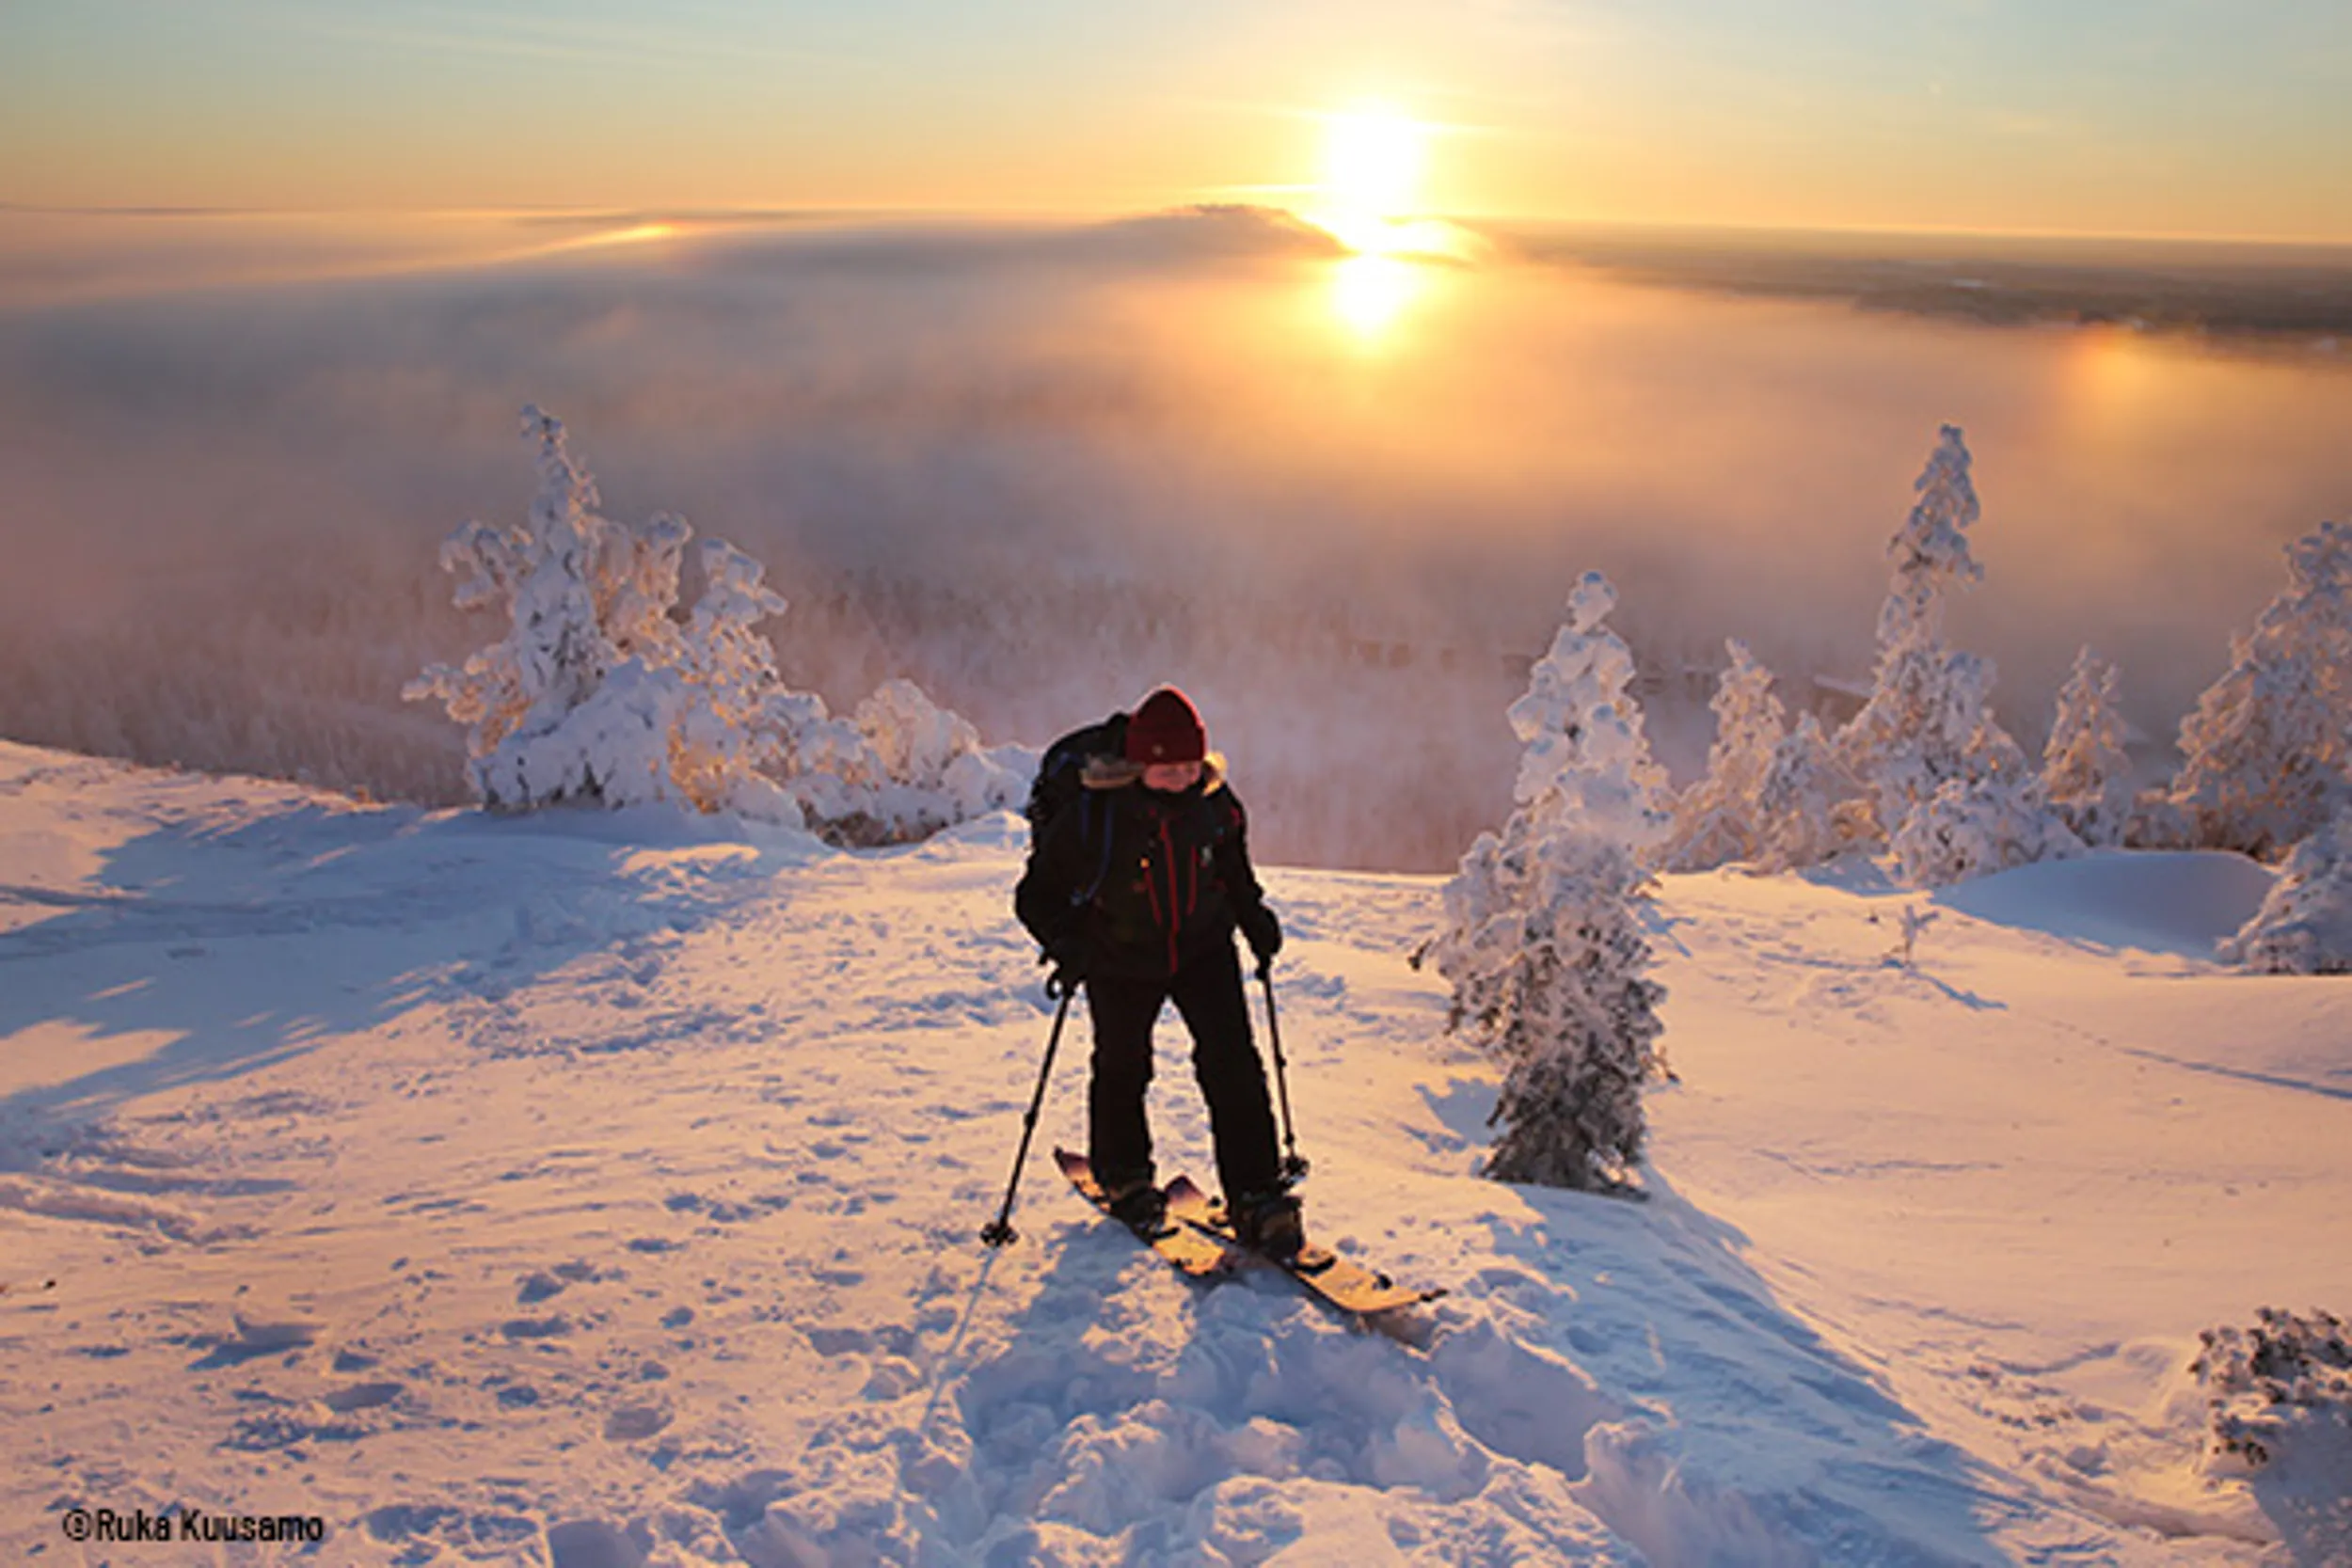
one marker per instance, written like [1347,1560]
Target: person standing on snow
[1163,843]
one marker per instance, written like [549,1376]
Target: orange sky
[2151,116]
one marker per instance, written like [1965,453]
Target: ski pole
[1294,1168]
[999,1231]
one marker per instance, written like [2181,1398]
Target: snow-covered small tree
[613,747]
[602,691]
[1797,801]
[1717,819]
[1928,701]
[902,767]
[2304,926]
[2266,758]
[517,695]
[2085,773]
[2281,1393]
[1973,826]
[937,754]
[1949,788]
[730,737]
[1543,943]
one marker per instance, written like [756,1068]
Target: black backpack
[1058,787]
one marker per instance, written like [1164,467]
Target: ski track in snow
[592,1191]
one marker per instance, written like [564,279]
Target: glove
[1262,931]
[1072,955]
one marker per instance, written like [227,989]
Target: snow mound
[2184,903]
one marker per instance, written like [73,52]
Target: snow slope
[602,1190]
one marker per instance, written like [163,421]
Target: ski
[1197,1253]
[1340,1281]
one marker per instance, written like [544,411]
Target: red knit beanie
[1166,728]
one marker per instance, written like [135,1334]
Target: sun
[1373,161]
[1373,158]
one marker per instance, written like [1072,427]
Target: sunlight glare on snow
[55,1051]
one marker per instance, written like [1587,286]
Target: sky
[2122,117]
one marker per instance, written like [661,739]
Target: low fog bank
[1040,469]
[2293,299]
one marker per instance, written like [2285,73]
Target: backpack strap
[1086,798]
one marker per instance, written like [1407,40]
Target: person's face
[1172,777]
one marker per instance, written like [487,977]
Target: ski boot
[1136,1203]
[1268,1222]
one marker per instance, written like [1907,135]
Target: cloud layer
[1039,469]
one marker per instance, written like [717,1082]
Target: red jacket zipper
[1175,921]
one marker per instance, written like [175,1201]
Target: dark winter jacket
[1174,874]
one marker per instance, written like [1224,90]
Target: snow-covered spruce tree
[2304,926]
[2266,758]
[1951,792]
[1926,701]
[1717,819]
[1543,945]
[1991,817]
[2085,772]
[1797,801]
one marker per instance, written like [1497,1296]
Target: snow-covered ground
[601,1189]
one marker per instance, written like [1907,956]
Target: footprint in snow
[538,1287]
[594,1543]
[251,1339]
[284,1428]
[362,1396]
[892,1377]
[549,1327]
[632,1423]
[450,1527]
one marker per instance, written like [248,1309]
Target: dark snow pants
[1208,997]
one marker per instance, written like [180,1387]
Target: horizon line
[773,212]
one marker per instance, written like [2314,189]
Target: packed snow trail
[592,1189]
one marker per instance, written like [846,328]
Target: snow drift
[597,1187]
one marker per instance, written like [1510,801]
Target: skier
[1162,845]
